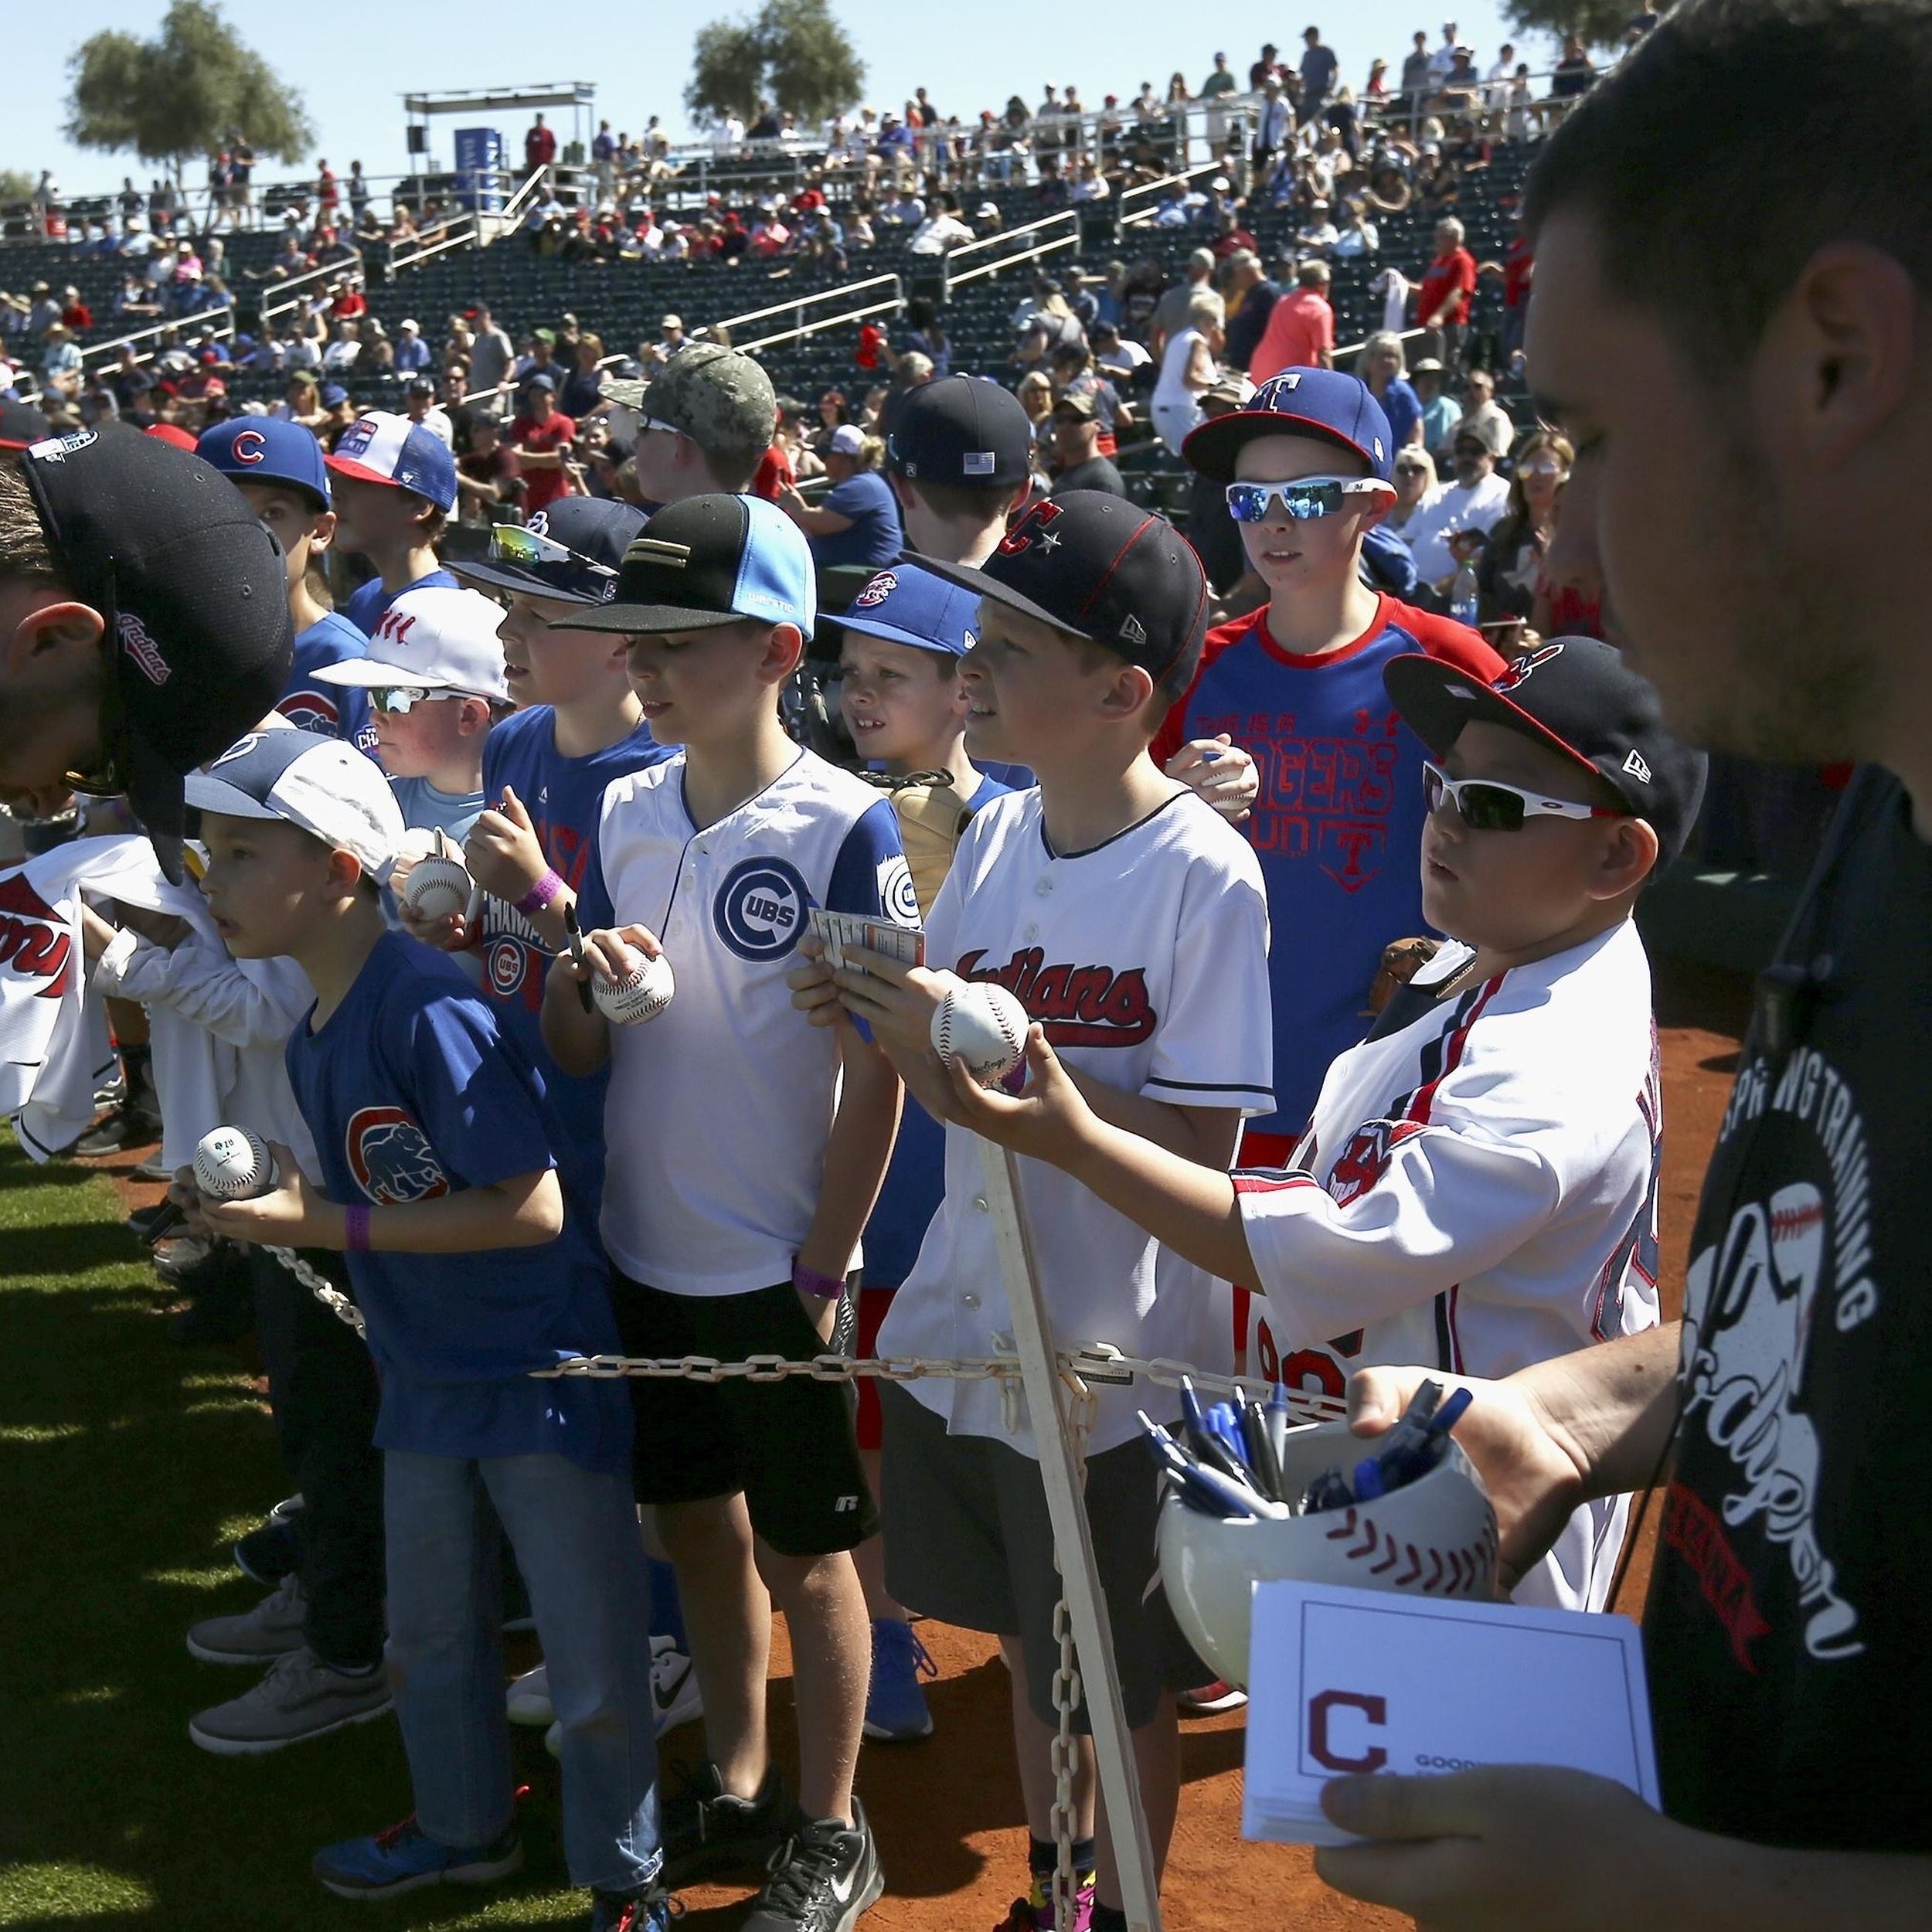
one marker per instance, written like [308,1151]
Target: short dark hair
[1647,159]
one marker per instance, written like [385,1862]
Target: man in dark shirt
[1078,464]
[1742,407]
[1258,293]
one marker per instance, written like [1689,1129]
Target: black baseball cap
[596,532]
[191,588]
[20,424]
[1099,567]
[961,431]
[1577,696]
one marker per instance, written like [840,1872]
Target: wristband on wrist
[356,1228]
[540,895]
[828,1288]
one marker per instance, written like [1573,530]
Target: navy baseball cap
[1321,403]
[594,530]
[381,447]
[321,786]
[1577,696]
[905,604]
[265,449]
[961,431]
[1099,567]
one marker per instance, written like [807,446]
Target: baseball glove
[931,817]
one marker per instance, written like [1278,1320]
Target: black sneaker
[825,1879]
[269,1553]
[128,1123]
[707,1832]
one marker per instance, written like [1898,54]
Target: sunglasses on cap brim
[1486,805]
[1306,498]
[513,543]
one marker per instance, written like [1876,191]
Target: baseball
[642,994]
[436,887]
[231,1164]
[981,1025]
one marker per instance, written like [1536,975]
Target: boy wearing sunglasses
[1478,1188]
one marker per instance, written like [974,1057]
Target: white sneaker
[272,1629]
[674,1685]
[527,1699]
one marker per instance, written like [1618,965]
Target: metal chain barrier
[331,1297]
[1064,1754]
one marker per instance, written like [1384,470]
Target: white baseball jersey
[719,1110]
[1146,961]
[1478,1190]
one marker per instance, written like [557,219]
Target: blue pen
[1369,1485]
[1205,1488]
[1276,1414]
[1197,1426]
[1408,1461]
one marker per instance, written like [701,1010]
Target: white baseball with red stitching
[641,994]
[982,1026]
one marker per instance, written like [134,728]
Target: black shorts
[788,1445]
[972,1544]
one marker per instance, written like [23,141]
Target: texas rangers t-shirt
[563,796]
[334,710]
[719,1111]
[367,604]
[1337,823]
[411,1092]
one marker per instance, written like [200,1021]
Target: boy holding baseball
[744,1154]
[433,1141]
[1129,918]
[1478,1188]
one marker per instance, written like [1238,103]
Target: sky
[353,61]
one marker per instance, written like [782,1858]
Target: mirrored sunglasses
[1306,498]
[513,543]
[1485,804]
[397,701]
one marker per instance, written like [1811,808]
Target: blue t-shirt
[875,537]
[1403,408]
[563,796]
[423,807]
[915,1181]
[411,1091]
[335,710]
[368,603]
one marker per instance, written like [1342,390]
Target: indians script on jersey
[36,946]
[1076,1005]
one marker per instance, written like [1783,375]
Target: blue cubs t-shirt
[333,710]
[875,537]
[1338,822]
[563,796]
[411,1091]
[368,603]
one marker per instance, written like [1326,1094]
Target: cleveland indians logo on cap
[135,641]
[1522,667]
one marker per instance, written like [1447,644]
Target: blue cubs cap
[333,394]
[321,786]
[265,449]
[594,530]
[1321,403]
[708,561]
[378,447]
[905,604]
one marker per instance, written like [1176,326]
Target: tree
[1597,23]
[792,53]
[180,93]
[16,186]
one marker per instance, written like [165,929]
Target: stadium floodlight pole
[1080,1576]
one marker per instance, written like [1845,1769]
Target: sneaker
[630,1911]
[405,1857]
[143,1219]
[527,1699]
[289,1507]
[675,1694]
[896,1711]
[154,1168]
[132,1121]
[271,1552]
[300,1698]
[1211,1698]
[706,1831]
[272,1629]
[1034,1912]
[825,1879]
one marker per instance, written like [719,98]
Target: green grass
[127,1466]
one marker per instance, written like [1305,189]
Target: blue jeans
[577,1543]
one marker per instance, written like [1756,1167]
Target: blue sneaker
[405,1857]
[896,1711]
[630,1912]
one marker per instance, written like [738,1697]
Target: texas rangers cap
[437,640]
[961,430]
[321,785]
[710,560]
[906,604]
[596,531]
[1577,696]
[267,449]
[380,447]
[1099,567]
[1321,403]
[191,593]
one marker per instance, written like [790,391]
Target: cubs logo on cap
[876,591]
[265,449]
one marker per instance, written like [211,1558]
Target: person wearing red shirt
[326,195]
[540,440]
[1300,332]
[1442,304]
[774,475]
[539,146]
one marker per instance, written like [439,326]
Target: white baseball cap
[321,785]
[848,440]
[433,640]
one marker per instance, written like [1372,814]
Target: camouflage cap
[723,400]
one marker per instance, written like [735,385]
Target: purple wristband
[828,1288]
[356,1228]
[540,895]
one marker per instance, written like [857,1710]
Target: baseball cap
[1577,696]
[437,640]
[595,530]
[266,449]
[720,399]
[1100,568]
[1490,431]
[848,440]
[710,560]
[172,434]
[907,604]
[20,424]
[379,446]
[1077,402]
[961,430]
[1321,403]
[324,786]
[333,396]
[540,380]
[191,588]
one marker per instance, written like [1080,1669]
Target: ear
[322,533]
[784,650]
[344,872]
[473,718]
[1630,856]
[59,625]
[1127,693]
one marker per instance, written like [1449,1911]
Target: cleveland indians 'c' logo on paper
[391,1157]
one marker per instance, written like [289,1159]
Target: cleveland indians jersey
[1477,1192]
[719,1110]
[333,710]
[1145,959]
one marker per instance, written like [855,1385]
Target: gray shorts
[968,1541]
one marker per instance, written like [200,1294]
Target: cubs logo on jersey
[391,1157]
[896,891]
[309,710]
[760,910]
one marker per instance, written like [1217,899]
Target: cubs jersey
[333,710]
[1145,959]
[719,1111]
[1338,822]
[562,796]
[412,1092]
[1478,1190]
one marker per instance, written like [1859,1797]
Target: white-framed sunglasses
[399,700]
[1306,498]
[1485,804]
[517,543]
